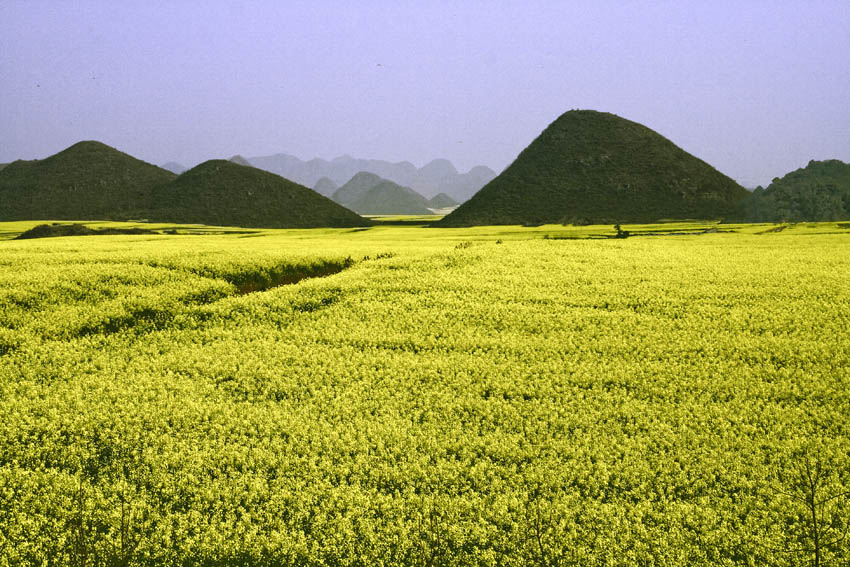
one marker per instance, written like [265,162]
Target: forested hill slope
[818,192]
[88,180]
[590,166]
[221,192]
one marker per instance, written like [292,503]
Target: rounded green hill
[356,187]
[442,201]
[369,194]
[595,167]
[388,198]
[88,180]
[221,192]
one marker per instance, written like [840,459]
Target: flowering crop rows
[425,397]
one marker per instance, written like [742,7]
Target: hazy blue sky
[754,88]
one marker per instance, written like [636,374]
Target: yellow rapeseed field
[420,396]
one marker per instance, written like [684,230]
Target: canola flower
[409,396]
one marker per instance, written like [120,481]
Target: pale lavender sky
[754,88]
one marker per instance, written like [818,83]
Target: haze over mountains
[92,181]
[586,167]
[438,176]
[388,198]
[442,201]
[239,160]
[369,194]
[325,186]
[174,167]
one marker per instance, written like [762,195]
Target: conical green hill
[388,198]
[590,166]
[441,201]
[88,180]
[221,192]
[356,187]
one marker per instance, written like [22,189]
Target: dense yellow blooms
[454,397]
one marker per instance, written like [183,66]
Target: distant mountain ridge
[356,187]
[239,160]
[442,201]
[326,187]
[388,198]
[437,176]
[370,194]
[92,181]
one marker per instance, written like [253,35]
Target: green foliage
[620,232]
[811,508]
[443,397]
[92,181]
[220,192]
[89,180]
[594,167]
[75,229]
[818,192]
